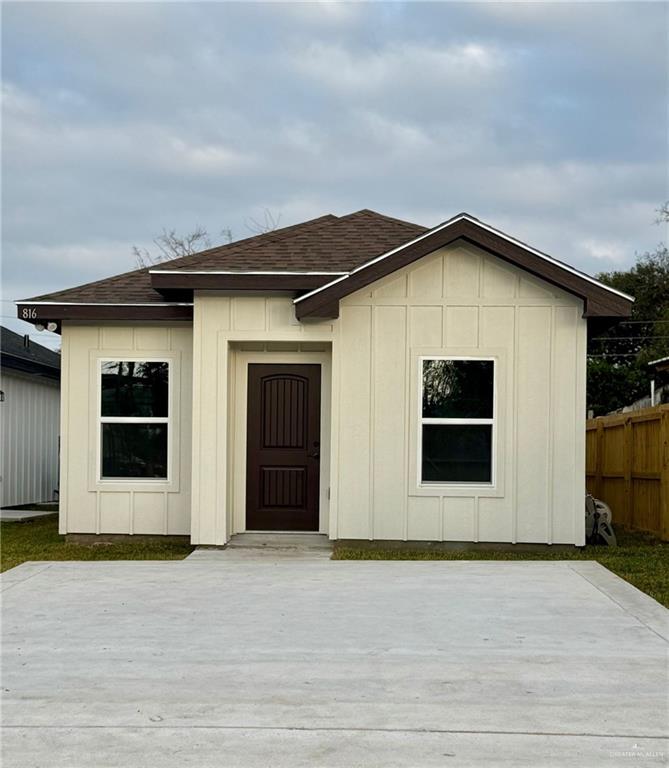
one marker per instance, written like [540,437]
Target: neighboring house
[359,376]
[659,388]
[659,385]
[29,420]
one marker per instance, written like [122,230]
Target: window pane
[134,450]
[457,389]
[134,388]
[457,453]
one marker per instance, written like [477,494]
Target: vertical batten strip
[196,473]
[94,395]
[221,448]
[480,265]
[407,415]
[333,500]
[372,387]
[97,512]
[478,326]
[442,503]
[514,410]
[476,518]
[581,349]
[550,479]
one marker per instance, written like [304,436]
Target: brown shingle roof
[328,244]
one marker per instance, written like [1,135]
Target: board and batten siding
[457,301]
[91,505]
[460,301]
[228,332]
[29,418]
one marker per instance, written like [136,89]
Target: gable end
[599,300]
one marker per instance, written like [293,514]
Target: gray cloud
[548,120]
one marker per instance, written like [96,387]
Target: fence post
[598,459]
[627,471]
[664,474]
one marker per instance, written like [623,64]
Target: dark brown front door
[283,447]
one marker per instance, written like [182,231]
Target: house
[360,376]
[659,384]
[659,388]
[29,420]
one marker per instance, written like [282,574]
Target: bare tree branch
[170,245]
[268,223]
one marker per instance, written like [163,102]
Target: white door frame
[238,413]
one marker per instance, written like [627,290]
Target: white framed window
[134,419]
[456,444]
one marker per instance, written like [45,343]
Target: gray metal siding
[29,429]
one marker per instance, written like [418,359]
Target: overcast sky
[546,120]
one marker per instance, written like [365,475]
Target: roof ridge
[377,215]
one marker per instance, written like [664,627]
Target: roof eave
[12,362]
[599,300]
[54,311]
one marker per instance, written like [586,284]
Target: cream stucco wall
[91,505]
[461,301]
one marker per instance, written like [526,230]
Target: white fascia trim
[478,223]
[107,303]
[237,272]
[659,360]
[322,288]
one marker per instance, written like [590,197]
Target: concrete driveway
[231,659]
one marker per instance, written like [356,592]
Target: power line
[628,338]
[613,354]
[641,322]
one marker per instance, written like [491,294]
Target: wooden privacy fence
[627,466]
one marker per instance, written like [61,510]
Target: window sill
[136,484]
[457,489]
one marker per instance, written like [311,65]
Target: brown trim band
[598,301]
[44,313]
[277,282]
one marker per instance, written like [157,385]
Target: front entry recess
[283,447]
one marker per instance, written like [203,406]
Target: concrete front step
[266,546]
[273,540]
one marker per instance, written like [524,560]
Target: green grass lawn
[39,540]
[640,559]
